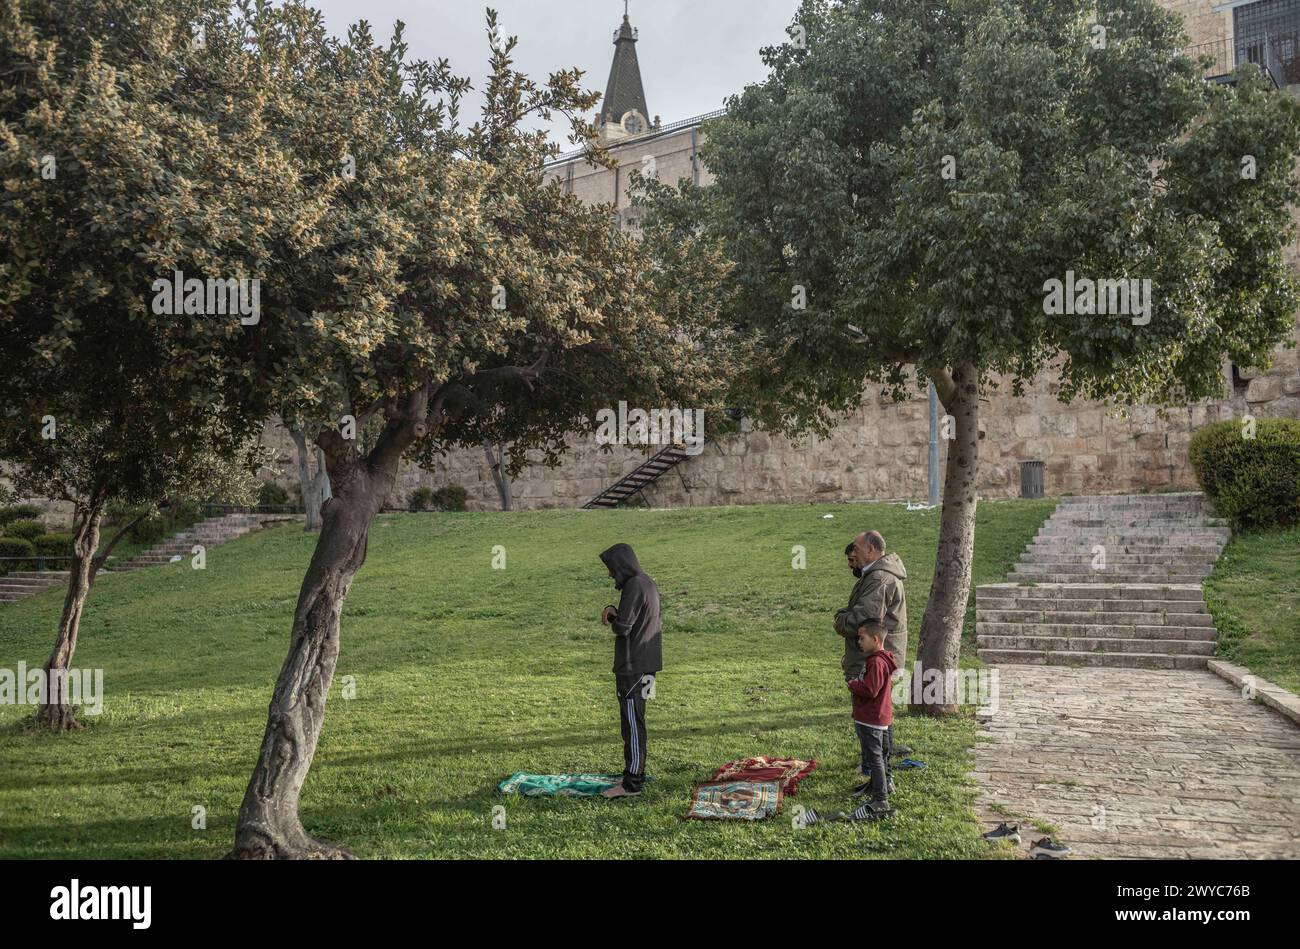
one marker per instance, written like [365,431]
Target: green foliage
[28,530]
[53,545]
[1117,162]
[450,497]
[421,499]
[272,495]
[16,512]
[1254,482]
[1254,594]
[15,547]
[146,405]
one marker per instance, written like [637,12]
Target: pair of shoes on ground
[1045,848]
[867,812]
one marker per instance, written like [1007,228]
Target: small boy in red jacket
[873,713]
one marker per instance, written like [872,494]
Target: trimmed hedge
[17,512]
[421,499]
[1253,482]
[450,498]
[270,494]
[53,545]
[15,547]
[27,530]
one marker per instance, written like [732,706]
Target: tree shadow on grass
[424,749]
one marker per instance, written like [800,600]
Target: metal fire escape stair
[647,473]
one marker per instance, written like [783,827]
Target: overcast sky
[693,53]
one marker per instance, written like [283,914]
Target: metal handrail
[221,509]
[1228,54]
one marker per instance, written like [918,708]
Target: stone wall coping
[1273,695]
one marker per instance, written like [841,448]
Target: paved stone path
[1139,763]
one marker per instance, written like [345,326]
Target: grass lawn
[1254,594]
[464,674]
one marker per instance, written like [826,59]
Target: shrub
[148,531]
[421,499]
[15,512]
[270,494]
[27,530]
[450,498]
[15,547]
[1253,482]
[53,545]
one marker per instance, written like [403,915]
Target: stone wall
[880,452]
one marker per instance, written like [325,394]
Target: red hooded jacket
[873,695]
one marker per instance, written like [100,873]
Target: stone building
[1086,449]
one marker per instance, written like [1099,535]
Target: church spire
[624,92]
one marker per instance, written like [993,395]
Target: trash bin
[1031,478]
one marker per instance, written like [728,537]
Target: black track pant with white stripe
[632,690]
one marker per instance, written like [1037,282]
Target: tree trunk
[269,827]
[934,683]
[315,487]
[55,712]
[497,465]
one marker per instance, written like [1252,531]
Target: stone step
[1095,618]
[1086,573]
[1159,647]
[40,574]
[1149,532]
[1126,660]
[1133,631]
[1084,605]
[27,583]
[1116,590]
[1181,504]
[1101,577]
[1139,549]
[1207,537]
[1085,566]
[1086,555]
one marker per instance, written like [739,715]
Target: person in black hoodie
[637,657]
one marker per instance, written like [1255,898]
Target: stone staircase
[24,583]
[209,533]
[1140,607]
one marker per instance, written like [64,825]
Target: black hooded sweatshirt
[636,627]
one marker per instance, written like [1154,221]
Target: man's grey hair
[874,540]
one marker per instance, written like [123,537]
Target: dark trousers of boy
[632,691]
[854,673]
[877,743]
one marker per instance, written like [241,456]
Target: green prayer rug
[558,785]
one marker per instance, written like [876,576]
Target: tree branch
[944,386]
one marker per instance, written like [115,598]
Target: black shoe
[871,811]
[811,817]
[1004,832]
[1048,849]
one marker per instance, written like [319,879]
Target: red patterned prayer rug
[788,771]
